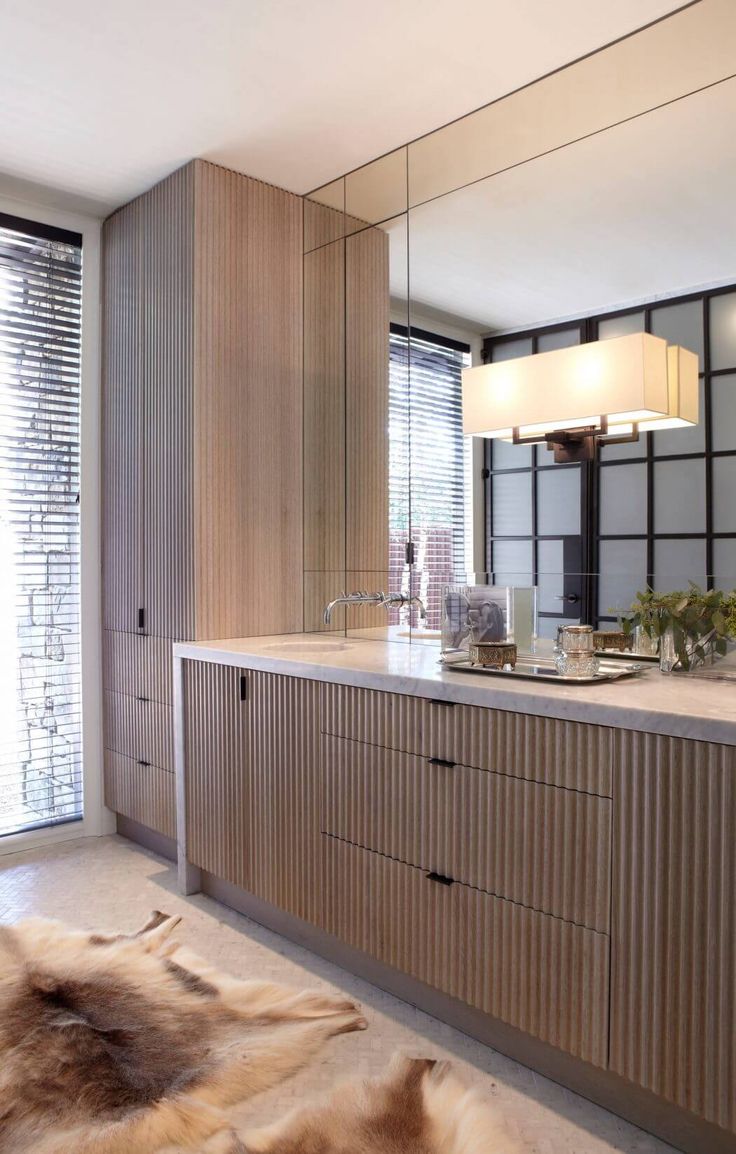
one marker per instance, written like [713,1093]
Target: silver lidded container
[576,655]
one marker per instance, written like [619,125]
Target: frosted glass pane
[547,626]
[690,440]
[723,331]
[550,575]
[507,350]
[676,563]
[511,494]
[723,401]
[558,502]
[679,497]
[681,325]
[724,563]
[560,340]
[724,494]
[623,572]
[623,499]
[509,456]
[626,451]
[621,326]
[513,562]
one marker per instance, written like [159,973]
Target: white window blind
[428,463]
[40,692]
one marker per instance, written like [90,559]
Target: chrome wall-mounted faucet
[387,600]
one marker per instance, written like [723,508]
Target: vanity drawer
[545,976]
[138,665]
[538,845]
[144,793]
[566,753]
[140,729]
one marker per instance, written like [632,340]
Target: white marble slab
[673,704]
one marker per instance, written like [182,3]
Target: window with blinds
[428,463]
[40,688]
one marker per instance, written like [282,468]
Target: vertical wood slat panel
[122,417]
[538,973]
[367,314]
[538,845]
[285,757]
[168,466]
[141,730]
[248,390]
[673,1007]
[565,753]
[138,664]
[219,787]
[144,793]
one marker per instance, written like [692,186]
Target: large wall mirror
[594,203]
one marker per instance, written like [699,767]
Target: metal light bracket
[577,444]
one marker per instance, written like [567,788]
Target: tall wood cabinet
[202,444]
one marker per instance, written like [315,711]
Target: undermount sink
[308,646]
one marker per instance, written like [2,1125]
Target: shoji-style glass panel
[550,579]
[623,572]
[680,324]
[630,450]
[562,339]
[723,331]
[509,456]
[623,499]
[677,562]
[558,502]
[621,326]
[724,563]
[513,562]
[679,496]
[511,496]
[723,402]
[724,494]
[508,350]
[689,440]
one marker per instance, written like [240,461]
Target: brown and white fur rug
[130,1044]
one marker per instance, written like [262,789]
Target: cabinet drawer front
[140,729]
[565,753]
[144,793]
[543,975]
[138,665]
[539,845]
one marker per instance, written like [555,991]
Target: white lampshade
[624,379]
[683,392]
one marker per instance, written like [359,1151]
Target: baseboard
[149,838]
[671,1123]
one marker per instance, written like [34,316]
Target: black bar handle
[442,761]
[439,701]
[440,878]
[143,699]
[142,762]
[243,687]
[141,619]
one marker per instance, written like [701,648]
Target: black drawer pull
[243,687]
[439,701]
[442,761]
[142,762]
[141,619]
[144,699]
[443,881]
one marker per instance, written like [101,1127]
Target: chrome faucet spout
[359,598]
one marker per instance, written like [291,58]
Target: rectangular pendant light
[683,392]
[624,380]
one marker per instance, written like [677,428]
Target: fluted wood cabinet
[202,445]
[569,885]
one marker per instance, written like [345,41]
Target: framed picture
[477,612]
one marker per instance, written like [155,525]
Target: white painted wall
[47,207]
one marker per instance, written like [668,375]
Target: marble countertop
[673,704]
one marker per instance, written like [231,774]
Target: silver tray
[627,655]
[543,669]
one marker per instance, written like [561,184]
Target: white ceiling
[101,100]
[638,211]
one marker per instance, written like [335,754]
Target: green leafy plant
[702,622]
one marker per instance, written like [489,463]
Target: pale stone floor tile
[100,883]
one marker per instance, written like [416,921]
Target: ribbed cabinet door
[122,420]
[673,981]
[219,794]
[284,753]
[167,431]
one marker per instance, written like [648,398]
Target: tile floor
[110,883]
